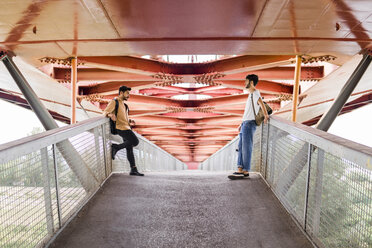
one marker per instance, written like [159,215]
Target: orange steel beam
[231,112]
[173,131]
[93,74]
[177,137]
[227,100]
[158,120]
[125,64]
[227,66]
[281,73]
[240,106]
[229,119]
[296,89]
[150,100]
[147,114]
[191,115]
[73,89]
[220,132]
[229,91]
[365,41]
[166,138]
[206,88]
[263,85]
[101,88]
[152,125]
[250,62]
[155,91]
[137,112]
[170,131]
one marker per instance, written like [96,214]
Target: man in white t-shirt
[248,126]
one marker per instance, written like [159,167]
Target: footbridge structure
[186,62]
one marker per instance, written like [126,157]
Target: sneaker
[238,173]
[246,174]
[113,151]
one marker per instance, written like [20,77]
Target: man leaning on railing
[118,111]
[248,127]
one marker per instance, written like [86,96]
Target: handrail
[13,149]
[336,145]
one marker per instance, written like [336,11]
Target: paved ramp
[183,209]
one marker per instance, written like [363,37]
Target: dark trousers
[130,140]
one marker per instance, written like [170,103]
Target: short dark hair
[252,77]
[124,88]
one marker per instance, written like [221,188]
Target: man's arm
[108,112]
[262,105]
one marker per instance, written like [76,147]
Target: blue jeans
[246,144]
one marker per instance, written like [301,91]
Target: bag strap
[254,110]
[126,107]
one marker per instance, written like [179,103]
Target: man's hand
[112,116]
[266,119]
[240,126]
[132,122]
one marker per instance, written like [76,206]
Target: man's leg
[240,159]
[130,140]
[247,145]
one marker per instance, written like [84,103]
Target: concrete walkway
[183,209]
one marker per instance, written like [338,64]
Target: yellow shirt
[122,119]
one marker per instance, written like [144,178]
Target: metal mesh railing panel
[27,205]
[287,170]
[41,190]
[71,192]
[226,158]
[340,202]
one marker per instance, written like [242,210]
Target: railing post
[261,144]
[271,139]
[267,150]
[98,154]
[104,150]
[307,184]
[47,192]
[59,211]
[318,191]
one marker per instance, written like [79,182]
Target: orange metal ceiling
[109,36]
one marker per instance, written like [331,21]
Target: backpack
[113,123]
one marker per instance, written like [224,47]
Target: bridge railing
[45,179]
[324,181]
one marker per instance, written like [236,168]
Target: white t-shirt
[248,112]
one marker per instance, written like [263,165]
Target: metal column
[41,112]
[72,157]
[327,119]
[73,89]
[296,88]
